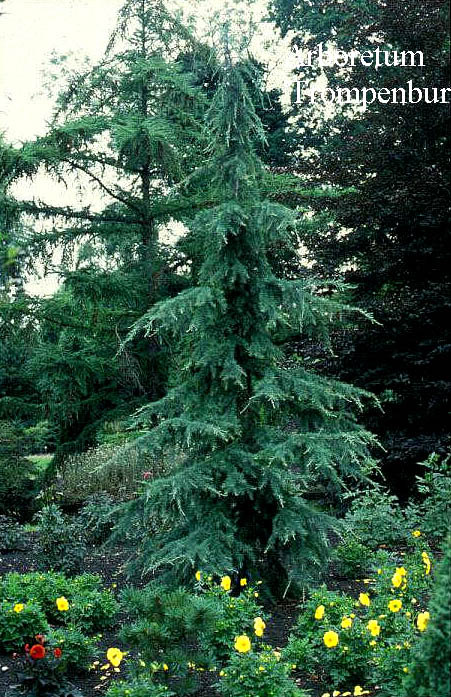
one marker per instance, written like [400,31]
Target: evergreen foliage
[239,498]
[389,237]
[430,671]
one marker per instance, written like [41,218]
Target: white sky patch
[31,31]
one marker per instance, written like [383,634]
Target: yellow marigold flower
[396,579]
[242,643]
[379,571]
[62,604]
[405,669]
[226,582]
[374,627]
[352,615]
[115,656]
[261,668]
[335,693]
[401,571]
[18,607]
[373,642]
[326,694]
[331,639]
[364,599]
[346,622]
[422,620]
[165,666]
[243,582]
[416,533]
[198,575]
[395,605]
[319,612]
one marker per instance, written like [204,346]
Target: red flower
[27,648]
[57,652]
[37,652]
[147,475]
[40,638]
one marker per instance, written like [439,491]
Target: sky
[31,31]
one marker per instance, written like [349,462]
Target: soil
[110,566]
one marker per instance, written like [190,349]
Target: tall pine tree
[237,499]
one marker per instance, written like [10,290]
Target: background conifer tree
[238,497]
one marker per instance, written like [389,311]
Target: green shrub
[376,518]
[90,607]
[433,515]
[18,476]
[140,687]
[97,517]
[19,623]
[11,534]
[77,650]
[62,542]
[260,674]
[354,559]
[430,668]
[365,640]
[167,626]
[92,610]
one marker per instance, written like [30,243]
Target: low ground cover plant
[367,639]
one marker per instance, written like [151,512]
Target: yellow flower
[62,604]
[319,612]
[416,533]
[422,620]
[226,582]
[259,626]
[373,642]
[115,656]
[358,691]
[242,643]
[18,607]
[395,605]
[396,579]
[426,562]
[335,693]
[405,669]
[331,639]
[243,582]
[379,571]
[374,627]
[346,622]
[165,666]
[326,694]
[261,668]
[364,599]
[401,571]
[198,575]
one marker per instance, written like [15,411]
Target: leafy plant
[139,687]
[19,483]
[430,668]
[433,514]
[353,558]
[258,673]
[42,673]
[375,518]
[62,542]
[97,517]
[77,649]
[11,534]
[19,622]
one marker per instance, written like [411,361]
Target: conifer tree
[238,497]
[430,671]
